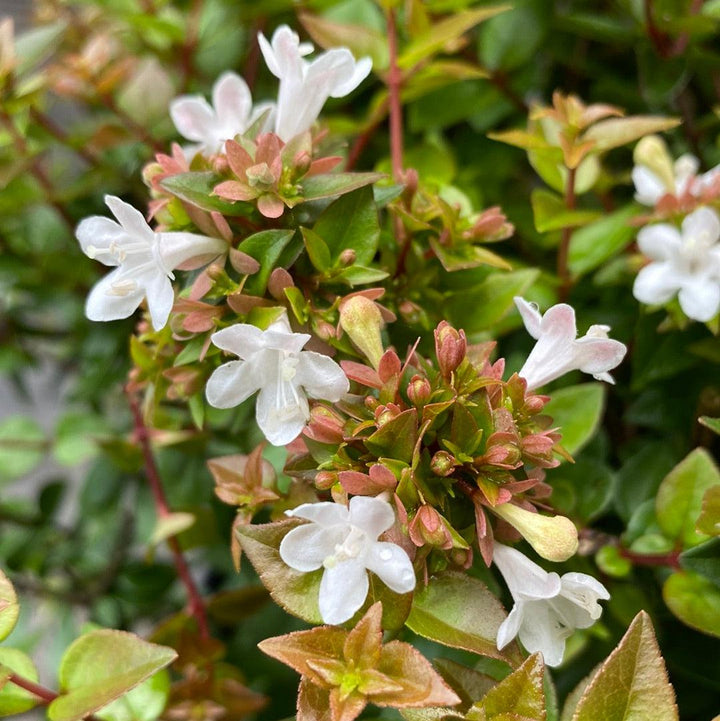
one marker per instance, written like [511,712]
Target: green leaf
[520,695]
[704,560]
[317,250]
[632,684]
[709,519]
[197,189]
[143,703]
[298,592]
[679,499]
[444,32]
[9,607]
[100,667]
[351,223]
[13,699]
[37,44]
[712,423]
[614,132]
[396,438]
[266,247]
[459,611]
[331,184]
[481,307]
[577,410]
[694,600]
[592,245]
[466,256]
[359,275]
[22,446]
[75,435]
[550,212]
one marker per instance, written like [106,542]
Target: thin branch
[394,81]
[195,602]
[671,559]
[44,694]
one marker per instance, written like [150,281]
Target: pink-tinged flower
[273,362]
[558,349]
[686,263]
[344,542]
[548,607]
[230,114]
[144,259]
[305,86]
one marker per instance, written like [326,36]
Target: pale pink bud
[450,347]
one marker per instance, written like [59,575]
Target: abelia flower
[305,86]
[230,114]
[686,263]
[548,607]
[343,541]
[273,362]
[144,259]
[558,349]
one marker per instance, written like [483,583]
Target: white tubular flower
[344,542]
[685,263]
[305,86]
[230,114]
[273,363]
[145,261]
[548,607]
[558,349]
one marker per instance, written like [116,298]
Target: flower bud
[442,464]
[302,162]
[326,479]
[428,527]
[450,347]
[553,537]
[652,152]
[347,257]
[360,318]
[419,390]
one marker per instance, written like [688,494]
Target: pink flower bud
[419,390]
[326,479]
[347,257]
[442,464]
[450,347]
[428,527]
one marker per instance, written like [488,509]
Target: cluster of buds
[461,450]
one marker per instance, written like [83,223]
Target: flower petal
[232,102]
[559,323]
[160,298]
[510,627]
[193,117]
[530,315]
[324,513]
[372,515]
[105,303]
[305,548]
[700,300]
[656,283]
[392,566]
[242,339]
[703,226]
[648,186]
[231,384]
[540,631]
[321,376]
[343,590]
[130,218]
[96,234]
[598,355]
[660,241]
[281,411]
[524,578]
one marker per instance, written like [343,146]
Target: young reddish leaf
[632,683]
[313,702]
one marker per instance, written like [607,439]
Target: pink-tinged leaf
[323,165]
[360,484]
[362,374]
[363,644]
[234,190]
[313,702]
[243,263]
[238,158]
[323,644]
[270,205]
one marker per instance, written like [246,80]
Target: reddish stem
[195,602]
[362,140]
[394,81]
[34,688]
[562,258]
[671,559]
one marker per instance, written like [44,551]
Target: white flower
[273,363]
[650,186]
[548,608]
[145,261]
[231,114]
[686,263]
[344,542]
[559,351]
[305,86]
